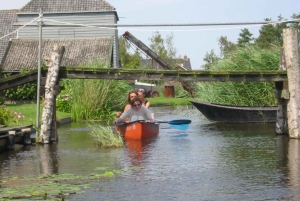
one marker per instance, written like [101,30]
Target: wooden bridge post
[47,117]
[290,44]
[282,94]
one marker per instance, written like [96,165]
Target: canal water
[208,162]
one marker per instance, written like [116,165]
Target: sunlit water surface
[206,162]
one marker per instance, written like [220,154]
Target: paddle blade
[179,121]
[180,126]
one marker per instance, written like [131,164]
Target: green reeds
[243,93]
[104,136]
[95,99]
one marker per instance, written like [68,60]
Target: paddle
[180,124]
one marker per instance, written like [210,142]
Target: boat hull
[236,114]
[138,130]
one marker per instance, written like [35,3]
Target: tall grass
[95,98]
[240,93]
[104,136]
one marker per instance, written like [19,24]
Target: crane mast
[188,86]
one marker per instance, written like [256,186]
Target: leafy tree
[128,60]
[296,25]
[211,59]
[164,48]
[271,34]
[226,46]
[245,37]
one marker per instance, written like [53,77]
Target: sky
[195,41]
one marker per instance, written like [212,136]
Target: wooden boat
[236,114]
[138,130]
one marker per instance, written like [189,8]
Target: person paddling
[131,95]
[136,112]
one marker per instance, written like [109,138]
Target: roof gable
[23,53]
[61,6]
[7,19]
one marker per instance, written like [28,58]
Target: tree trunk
[53,63]
[290,42]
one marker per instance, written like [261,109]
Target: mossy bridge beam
[154,75]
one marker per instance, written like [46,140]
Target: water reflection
[289,164]
[48,158]
[206,162]
[136,150]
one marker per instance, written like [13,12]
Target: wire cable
[109,26]
[20,28]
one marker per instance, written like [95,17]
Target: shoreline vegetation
[28,110]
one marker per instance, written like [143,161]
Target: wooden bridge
[154,75]
[287,82]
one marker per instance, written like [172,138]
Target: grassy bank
[29,110]
[169,101]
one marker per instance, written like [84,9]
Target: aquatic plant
[104,136]
[49,187]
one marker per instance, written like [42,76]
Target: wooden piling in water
[282,94]
[290,45]
[48,116]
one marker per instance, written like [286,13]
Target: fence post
[290,44]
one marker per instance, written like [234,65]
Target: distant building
[59,17]
[7,19]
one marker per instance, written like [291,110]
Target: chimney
[185,57]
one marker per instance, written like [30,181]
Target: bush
[1,100]
[22,92]
[63,102]
[6,116]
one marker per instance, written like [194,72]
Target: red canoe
[138,130]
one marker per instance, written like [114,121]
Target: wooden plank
[148,74]
[14,128]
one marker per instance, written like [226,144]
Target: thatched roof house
[84,44]
[7,19]
[63,6]
[23,53]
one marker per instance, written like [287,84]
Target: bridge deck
[155,75]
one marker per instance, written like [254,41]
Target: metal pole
[40,22]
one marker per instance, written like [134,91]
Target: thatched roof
[78,52]
[7,19]
[62,6]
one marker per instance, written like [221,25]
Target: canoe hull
[236,114]
[138,130]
